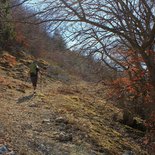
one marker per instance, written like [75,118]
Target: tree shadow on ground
[25,98]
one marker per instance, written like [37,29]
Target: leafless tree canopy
[100,27]
[103,27]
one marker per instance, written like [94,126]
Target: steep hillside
[62,118]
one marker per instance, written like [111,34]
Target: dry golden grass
[29,121]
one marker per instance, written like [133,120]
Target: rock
[46,121]
[127,152]
[39,146]
[65,137]
[60,120]
[33,105]
[38,130]
[3,149]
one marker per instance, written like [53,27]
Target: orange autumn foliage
[134,81]
[133,88]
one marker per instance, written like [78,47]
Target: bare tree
[101,26]
[104,27]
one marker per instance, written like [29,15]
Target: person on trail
[34,69]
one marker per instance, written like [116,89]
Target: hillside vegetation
[62,118]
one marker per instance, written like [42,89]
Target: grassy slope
[30,127]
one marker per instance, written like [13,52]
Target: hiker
[34,69]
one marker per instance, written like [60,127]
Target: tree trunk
[152,81]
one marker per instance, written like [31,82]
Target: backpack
[34,68]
